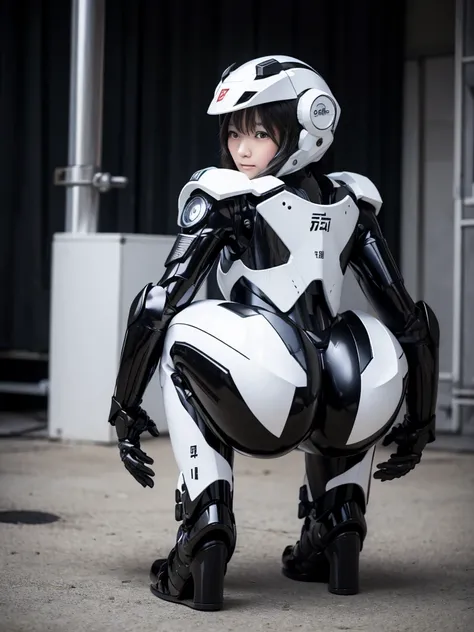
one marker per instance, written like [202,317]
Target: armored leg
[333,502]
[221,389]
[193,573]
[364,387]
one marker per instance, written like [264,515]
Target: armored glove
[410,442]
[129,427]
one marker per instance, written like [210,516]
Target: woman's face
[251,151]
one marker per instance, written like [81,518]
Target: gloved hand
[411,442]
[129,427]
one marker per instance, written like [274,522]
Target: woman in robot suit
[274,366]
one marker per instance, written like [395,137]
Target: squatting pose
[275,367]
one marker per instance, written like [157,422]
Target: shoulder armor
[197,174]
[194,211]
[363,188]
[220,184]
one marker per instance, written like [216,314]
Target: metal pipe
[420,207]
[457,195]
[445,377]
[463,392]
[25,388]
[463,401]
[85,110]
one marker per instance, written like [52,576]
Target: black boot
[330,542]
[194,572]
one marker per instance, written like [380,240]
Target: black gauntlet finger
[153,430]
[144,480]
[144,469]
[386,465]
[138,454]
[129,467]
[394,467]
[388,439]
[390,474]
[150,482]
[388,471]
[138,478]
[137,465]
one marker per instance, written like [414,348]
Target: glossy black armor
[205,544]
[330,553]
[334,527]
[187,266]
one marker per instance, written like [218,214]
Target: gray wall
[427,199]
[428,220]
[429,28]
[427,173]
[429,35]
[467,191]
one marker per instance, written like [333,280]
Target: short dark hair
[279,116]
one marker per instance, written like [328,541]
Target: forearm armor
[413,324]
[187,266]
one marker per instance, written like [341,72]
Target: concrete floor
[89,571]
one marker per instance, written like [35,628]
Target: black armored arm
[416,328]
[413,324]
[189,262]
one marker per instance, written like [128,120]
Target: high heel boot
[193,574]
[329,546]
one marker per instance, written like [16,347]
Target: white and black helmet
[280,78]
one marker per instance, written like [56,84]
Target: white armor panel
[363,188]
[266,375]
[381,381]
[264,372]
[315,235]
[225,183]
[358,474]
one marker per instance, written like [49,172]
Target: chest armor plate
[315,236]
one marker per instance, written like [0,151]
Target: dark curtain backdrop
[162,62]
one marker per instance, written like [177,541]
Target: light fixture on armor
[194,211]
